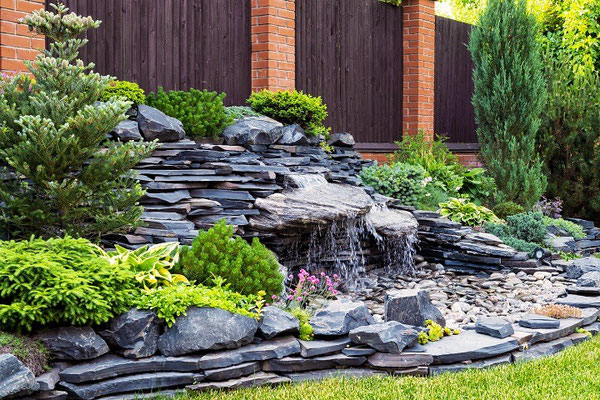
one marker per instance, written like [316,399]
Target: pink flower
[290,297]
[322,273]
[335,276]
[299,299]
[267,304]
[274,297]
[330,289]
[335,292]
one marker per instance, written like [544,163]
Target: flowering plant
[309,289]
[549,207]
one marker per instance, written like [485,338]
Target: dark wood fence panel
[350,53]
[176,44]
[453,114]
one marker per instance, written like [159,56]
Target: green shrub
[30,352]
[466,212]
[303,316]
[574,230]
[478,185]
[62,282]
[239,112]
[201,112]
[401,181]
[508,98]
[169,302]
[506,209]
[527,226]
[247,268]
[292,107]
[129,90]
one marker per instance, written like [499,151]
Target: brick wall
[16,43]
[470,160]
[273,30]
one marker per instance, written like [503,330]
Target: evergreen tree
[509,96]
[63,177]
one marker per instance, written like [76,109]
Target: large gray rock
[134,333]
[348,373]
[494,326]
[469,345]
[388,337]
[576,268]
[207,329]
[535,321]
[292,135]
[342,140]
[15,377]
[403,360]
[392,222]
[276,322]
[411,307]
[296,364]
[154,124]
[232,372]
[339,317]
[127,131]
[257,379]
[566,327]
[589,279]
[311,348]
[458,367]
[72,343]
[253,131]
[542,350]
[574,300]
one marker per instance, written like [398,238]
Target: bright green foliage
[201,112]
[506,209]
[401,181]
[169,302]
[30,352]
[466,212]
[396,3]
[292,107]
[478,185]
[574,230]
[152,264]
[60,281]
[131,91]
[247,268]
[434,332]
[508,98]
[239,112]
[68,181]
[306,330]
[423,338]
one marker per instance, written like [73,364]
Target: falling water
[304,181]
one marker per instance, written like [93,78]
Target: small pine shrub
[30,352]
[239,112]
[247,268]
[292,107]
[573,229]
[201,112]
[527,226]
[558,311]
[401,181]
[506,209]
[467,213]
[60,282]
[123,89]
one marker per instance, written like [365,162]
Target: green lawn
[573,374]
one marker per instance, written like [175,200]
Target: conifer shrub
[405,182]
[506,209]
[292,107]
[246,268]
[509,95]
[524,232]
[60,282]
[63,178]
[131,91]
[201,112]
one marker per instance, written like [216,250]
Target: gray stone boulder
[253,131]
[589,279]
[342,140]
[292,135]
[15,378]
[411,307]
[207,329]
[154,124]
[127,131]
[73,343]
[494,326]
[312,348]
[535,321]
[134,334]
[276,322]
[574,269]
[388,337]
[339,317]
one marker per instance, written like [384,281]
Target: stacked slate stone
[560,240]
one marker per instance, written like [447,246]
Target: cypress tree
[509,96]
[62,176]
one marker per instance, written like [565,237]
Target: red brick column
[418,65]
[16,42]
[273,30]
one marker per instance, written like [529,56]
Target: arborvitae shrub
[247,268]
[508,99]
[201,112]
[401,181]
[129,90]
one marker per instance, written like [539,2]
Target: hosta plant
[467,213]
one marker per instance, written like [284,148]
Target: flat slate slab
[168,394]
[566,327]
[542,350]
[235,371]
[364,351]
[258,379]
[494,326]
[312,348]
[575,300]
[584,291]
[535,321]
[333,373]
[299,364]
[469,345]
[403,360]
[490,362]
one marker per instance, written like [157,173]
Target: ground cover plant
[534,380]
[131,91]
[63,178]
[524,232]
[30,352]
[559,311]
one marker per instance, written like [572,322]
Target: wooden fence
[350,53]
[453,112]
[177,44]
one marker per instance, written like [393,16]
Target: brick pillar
[418,65]
[16,42]
[273,30]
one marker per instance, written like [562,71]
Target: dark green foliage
[506,209]
[508,98]
[524,231]
[292,107]
[574,230]
[30,352]
[63,178]
[503,232]
[239,112]
[478,185]
[201,112]
[131,91]
[247,268]
[62,282]
[405,182]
